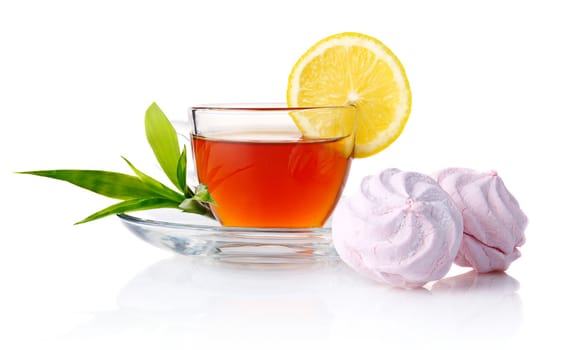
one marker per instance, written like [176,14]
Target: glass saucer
[190,234]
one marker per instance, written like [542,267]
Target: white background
[491,84]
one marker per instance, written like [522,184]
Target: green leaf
[163,140]
[160,189]
[143,192]
[190,205]
[199,203]
[202,195]
[182,170]
[131,205]
[106,183]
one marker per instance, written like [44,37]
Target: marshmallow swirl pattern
[494,224]
[401,229]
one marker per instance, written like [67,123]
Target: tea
[267,179]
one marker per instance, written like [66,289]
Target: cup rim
[239,106]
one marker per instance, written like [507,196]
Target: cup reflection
[323,303]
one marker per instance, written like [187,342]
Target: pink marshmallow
[494,224]
[401,229]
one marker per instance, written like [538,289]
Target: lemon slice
[359,70]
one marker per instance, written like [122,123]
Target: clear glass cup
[273,166]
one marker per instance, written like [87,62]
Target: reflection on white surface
[198,301]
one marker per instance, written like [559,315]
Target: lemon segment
[358,70]
[335,123]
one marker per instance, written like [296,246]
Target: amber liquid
[262,183]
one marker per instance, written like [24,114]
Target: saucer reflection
[199,299]
[322,303]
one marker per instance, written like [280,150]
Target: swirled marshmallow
[401,228]
[494,224]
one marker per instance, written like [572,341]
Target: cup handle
[183,130]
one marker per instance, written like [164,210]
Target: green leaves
[163,141]
[199,202]
[202,195]
[131,205]
[109,184]
[141,192]
[182,172]
[155,186]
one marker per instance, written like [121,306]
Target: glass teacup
[273,166]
